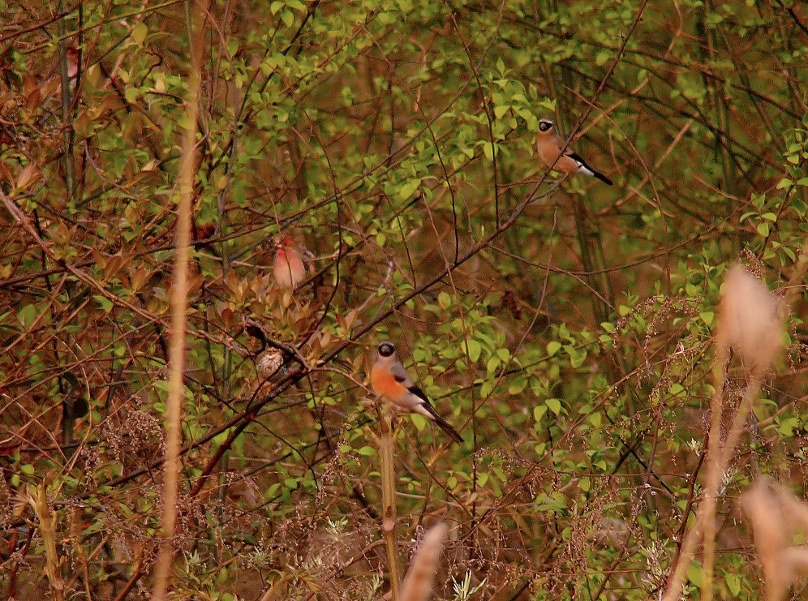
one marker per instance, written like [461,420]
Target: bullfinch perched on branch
[549,145]
[392,383]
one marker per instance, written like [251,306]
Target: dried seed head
[751,320]
[417,584]
[769,508]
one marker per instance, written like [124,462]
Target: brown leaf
[29,175]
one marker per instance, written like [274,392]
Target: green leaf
[554,405]
[105,303]
[602,57]
[733,583]
[406,191]
[474,350]
[27,315]
[131,94]
[139,33]
[444,300]
[553,347]
[790,253]
[695,573]
[489,150]
[577,356]
[539,411]
[517,386]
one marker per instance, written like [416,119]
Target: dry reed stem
[418,582]
[388,476]
[751,322]
[179,300]
[714,470]
[46,517]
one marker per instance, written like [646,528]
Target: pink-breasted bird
[288,266]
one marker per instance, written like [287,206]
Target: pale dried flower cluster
[417,584]
[777,518]
[751,320]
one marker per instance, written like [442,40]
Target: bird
[288,266]
[549,144]
[392,384]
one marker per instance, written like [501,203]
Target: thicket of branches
[565,328]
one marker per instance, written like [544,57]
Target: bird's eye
[545,125]
[386,349]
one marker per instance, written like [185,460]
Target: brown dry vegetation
[567,329]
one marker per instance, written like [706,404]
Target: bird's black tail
[584,168]
[601,177]
[446,427]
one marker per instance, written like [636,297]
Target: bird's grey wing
[401,375]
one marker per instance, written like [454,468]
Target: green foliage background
[564,329]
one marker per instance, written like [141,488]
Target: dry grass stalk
[771,510]
[179,301]
[46,517]
[751,323]
[418,582]
[388,475]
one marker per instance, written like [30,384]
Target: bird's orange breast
[548,151]
[384,384]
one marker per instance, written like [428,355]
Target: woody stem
[388,500]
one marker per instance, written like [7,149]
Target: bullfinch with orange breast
[549,145]
[288,266]
[392,383]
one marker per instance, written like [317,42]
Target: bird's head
[387,349]
[546,125]
[284,241]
